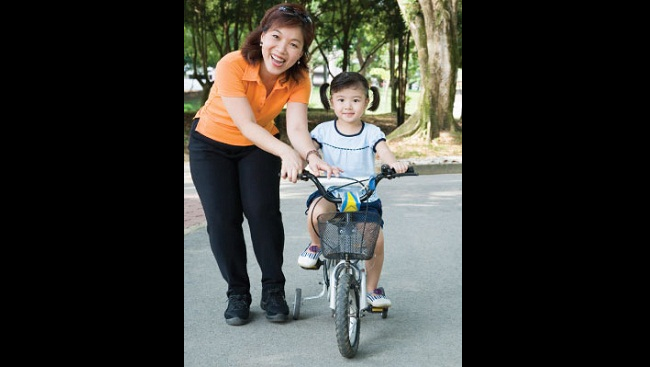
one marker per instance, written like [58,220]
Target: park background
[411,50]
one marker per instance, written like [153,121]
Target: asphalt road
[422,275]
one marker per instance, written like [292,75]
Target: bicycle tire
[296,303]
[346,319]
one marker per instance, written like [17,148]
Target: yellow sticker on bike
[350,203]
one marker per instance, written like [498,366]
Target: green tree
[433,26]
[358,29]
[198,22]
[214,28]
[366,33]
[399,59]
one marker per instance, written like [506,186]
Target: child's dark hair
[346,80]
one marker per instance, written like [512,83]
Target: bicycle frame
[342,261]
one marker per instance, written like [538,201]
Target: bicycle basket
[349,233]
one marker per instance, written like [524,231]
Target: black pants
[234,181]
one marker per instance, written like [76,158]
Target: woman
[237,158]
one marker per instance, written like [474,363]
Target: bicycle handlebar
[386,172]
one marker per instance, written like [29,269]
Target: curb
[194,227]
[438,169]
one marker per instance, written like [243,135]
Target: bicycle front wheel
[346,315]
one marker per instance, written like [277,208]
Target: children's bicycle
[348,238]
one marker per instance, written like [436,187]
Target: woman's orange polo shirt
[234,77]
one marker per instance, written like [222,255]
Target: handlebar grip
[386,169]
[304,175]
[390,172]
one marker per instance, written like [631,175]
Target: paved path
[422,275]
[193,211]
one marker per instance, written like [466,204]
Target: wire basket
[349,233]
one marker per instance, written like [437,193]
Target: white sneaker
[309,257]
[378,298]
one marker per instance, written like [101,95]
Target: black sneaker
[275,305]
[238,309]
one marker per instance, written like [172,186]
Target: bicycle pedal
[375,309]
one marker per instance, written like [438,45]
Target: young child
[350,144]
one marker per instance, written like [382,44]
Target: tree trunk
[430,22]
[393,78]
[402,82]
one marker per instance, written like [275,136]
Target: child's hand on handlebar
[318,165]
[399,167]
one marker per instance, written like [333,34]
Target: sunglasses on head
[289,10]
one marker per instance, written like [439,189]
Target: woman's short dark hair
[282,15]
[346,80]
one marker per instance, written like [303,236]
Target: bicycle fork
[359,272]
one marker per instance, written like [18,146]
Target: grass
[447,144]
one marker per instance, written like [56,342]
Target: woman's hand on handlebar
[292,164]
[318,165]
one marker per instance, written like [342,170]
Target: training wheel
[296,303]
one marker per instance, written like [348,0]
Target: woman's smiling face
[281,48]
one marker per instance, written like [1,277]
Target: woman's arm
[300,138]
[387,156]
[240,111]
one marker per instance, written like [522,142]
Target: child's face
[349,104]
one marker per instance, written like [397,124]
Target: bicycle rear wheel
[346,315]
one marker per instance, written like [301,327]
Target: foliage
[368,36]
[189,107]
[348,32]
[380,73]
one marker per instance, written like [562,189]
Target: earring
[261,43]
[298,62]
